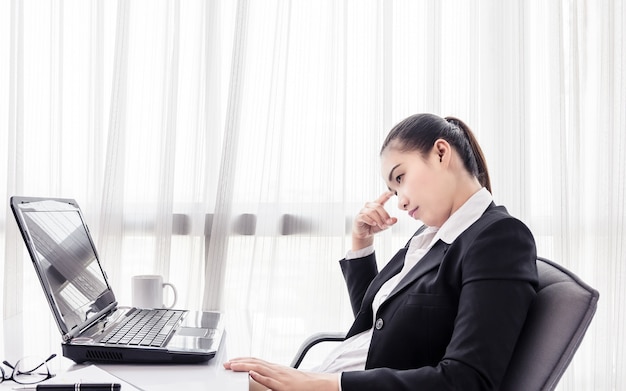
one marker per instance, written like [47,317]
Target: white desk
[150,377]
[188,377]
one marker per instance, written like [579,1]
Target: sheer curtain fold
[217,247]
[111,230]
[13,250]
[165,201]
[227,145]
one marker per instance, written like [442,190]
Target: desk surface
[150,377]
[190,377]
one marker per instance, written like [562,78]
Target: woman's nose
[402,202]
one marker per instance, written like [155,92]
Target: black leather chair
[555,326]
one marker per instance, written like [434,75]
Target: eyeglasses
[28,370]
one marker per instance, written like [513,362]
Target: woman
[446,311]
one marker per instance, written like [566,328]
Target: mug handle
[175,294]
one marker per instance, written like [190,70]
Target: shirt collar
[465,216]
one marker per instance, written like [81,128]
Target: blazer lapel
[392,268]
[431,260]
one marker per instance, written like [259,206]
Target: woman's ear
[442,150]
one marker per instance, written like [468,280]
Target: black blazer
[452,322]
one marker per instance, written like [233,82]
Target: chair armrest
[314,340]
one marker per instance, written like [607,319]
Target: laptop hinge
[89,322]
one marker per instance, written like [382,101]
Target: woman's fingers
[386,196]
[271,376]
[379,213]
[373,218]
[244,364]
[282,378]
[260,371]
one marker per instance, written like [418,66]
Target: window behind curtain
[210,137]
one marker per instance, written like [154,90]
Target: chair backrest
[555,326]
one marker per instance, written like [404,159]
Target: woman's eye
[399,178]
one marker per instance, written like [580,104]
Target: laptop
[92,325]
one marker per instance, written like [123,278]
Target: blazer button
[379,324]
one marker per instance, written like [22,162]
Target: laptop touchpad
[192,332]
[194,338]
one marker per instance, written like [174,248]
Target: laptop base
[85,353]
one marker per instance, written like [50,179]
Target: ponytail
[481,164]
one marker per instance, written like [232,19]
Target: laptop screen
[65,259]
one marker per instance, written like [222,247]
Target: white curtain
[226,145]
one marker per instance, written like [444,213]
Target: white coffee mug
[148,291]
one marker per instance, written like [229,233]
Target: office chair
[557,321]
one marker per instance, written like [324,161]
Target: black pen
[75,387]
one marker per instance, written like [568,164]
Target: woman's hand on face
[372,219]
[282,378]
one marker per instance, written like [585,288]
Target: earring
[440,158]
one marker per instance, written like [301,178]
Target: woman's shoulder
[497,245]
[495,219]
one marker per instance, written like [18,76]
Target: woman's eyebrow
[391,172]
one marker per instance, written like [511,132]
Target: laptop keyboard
[144,327]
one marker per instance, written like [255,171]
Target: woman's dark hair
[420,131]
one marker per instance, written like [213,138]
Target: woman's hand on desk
[282,378]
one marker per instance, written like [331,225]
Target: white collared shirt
[351,354]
